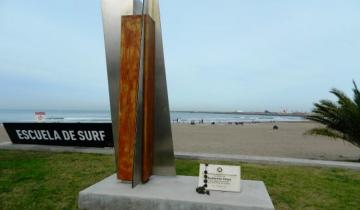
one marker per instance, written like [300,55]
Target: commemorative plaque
[219,177]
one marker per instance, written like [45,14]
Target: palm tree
[341,118]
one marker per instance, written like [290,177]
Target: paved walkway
[193,156]
[268,160]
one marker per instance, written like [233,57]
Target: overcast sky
[248,55]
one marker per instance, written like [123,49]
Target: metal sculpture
[140,116]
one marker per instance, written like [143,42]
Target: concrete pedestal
[166,193]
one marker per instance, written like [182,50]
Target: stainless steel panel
[138,7]
[164,163]
[137,161]
[163,146]
[112,10]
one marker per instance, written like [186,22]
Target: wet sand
[256,139]
[261,140]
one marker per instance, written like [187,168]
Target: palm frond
[341,118]
[356,95]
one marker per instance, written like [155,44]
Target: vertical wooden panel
[149,88]
[129,76]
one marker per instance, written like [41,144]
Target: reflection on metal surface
[112,10]
[163,145]
[137,162]
[163,163]
[138,7]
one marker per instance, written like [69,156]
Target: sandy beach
[261,140]
[256,139]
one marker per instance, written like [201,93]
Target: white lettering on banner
[57,136]
[82,135]
[91,135]
[18,132]
[66,135]
[102,134]
[72,135]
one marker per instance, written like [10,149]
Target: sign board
[220,177]
[63,134]
[39,116]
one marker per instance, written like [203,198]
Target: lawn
[41,180]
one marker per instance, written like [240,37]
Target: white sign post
[220,177]
[40,116]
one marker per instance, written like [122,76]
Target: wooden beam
[149,95]
[130,55]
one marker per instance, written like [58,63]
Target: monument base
[164,193]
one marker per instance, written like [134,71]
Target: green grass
[40,180]
[292,187]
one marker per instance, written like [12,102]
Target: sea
[176,116]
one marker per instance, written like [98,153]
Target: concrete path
[193,156]
[268,160]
